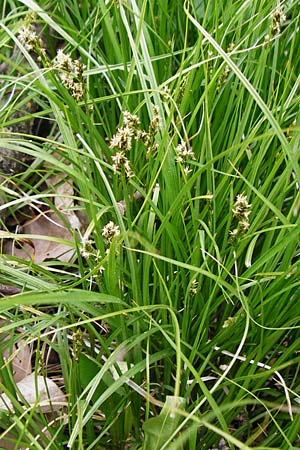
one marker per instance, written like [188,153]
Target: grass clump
[161,139]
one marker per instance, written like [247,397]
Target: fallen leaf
[63,200]
[20,356]
[7,289]
[36,391]
[9,442]
[52,227]
[55,227]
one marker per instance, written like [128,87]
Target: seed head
[71,73]
[110,230]
[241,208]
[278,19]
[121,162]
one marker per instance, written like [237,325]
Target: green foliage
[184,279]
[159,429]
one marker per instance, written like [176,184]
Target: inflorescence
[125,136]
[70,71]
[241,211]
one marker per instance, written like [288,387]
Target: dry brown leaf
[37,391]
[64,191]
[39,250]
[9,442]
[51,225]
[20,357]
[18,354]
[64,200]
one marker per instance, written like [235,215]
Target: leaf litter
[32,391]
[47,235]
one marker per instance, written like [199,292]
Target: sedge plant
[173,322]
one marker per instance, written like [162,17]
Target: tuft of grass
[180,330]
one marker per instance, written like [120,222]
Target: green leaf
[88,369]
[159,429]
